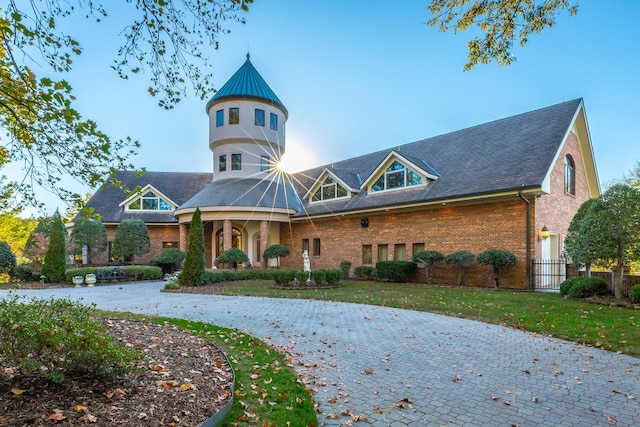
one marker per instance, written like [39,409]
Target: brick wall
[157,235]
[556,210]
[475,228]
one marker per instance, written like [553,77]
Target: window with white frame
[396,176]
[330,189]
[150,201]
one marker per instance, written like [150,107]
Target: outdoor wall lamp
[544,233]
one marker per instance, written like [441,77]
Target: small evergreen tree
[169,260]
[194,263]
[55,259]
[233,256]
[428,259]
[89,233]
[7,258]
[275,251]
[462,259]
[496,258]
[132,238]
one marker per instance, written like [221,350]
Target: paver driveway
[399,367]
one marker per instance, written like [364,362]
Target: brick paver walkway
[399,367]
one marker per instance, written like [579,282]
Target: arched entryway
[236,240]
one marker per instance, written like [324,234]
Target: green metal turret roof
[247,83]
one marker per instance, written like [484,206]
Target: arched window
[569,175]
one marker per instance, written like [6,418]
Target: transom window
[569,175]
[329,189]
[396,176]
[150,201]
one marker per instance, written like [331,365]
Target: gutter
[528,243]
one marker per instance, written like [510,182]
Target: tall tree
[89,233]
[15,230]
[55,260]
[7,258]
[43,129]
[194,263]
[132,238]
[501,23]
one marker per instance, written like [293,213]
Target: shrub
[588,286]
[395,271]
[275,251]
[496,258]
[634,294]
[78,344]
[333,276]
[169,260]
[7,258]
[364,272]
[319,277]
[284,277]
[345,267]
[90,233]
[132,238]
[193,271]
[302,276]
[568,284]
[25,273]
[428,259]
[233,256]
[131,272]
[461,259]
[55,259]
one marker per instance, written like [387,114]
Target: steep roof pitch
[504,155]
[247,83]
[178,186]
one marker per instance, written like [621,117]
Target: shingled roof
[504,155]
[178,186]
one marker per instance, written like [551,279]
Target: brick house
[510,184]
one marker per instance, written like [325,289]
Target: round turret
[246,126]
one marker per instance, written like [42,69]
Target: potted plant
[90,279]
[77,280]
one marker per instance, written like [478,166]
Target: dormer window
[150,201]
[330,189]
[396,176]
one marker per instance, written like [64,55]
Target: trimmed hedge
[634,294]
[281,277]
[395,271]
[131,272]
[364,272]
[587,287]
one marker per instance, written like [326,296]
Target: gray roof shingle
[502,155]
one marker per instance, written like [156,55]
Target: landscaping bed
[183,381]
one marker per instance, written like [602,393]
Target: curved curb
[218,417]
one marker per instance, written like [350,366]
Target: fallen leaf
[120,392]
[57,415]
[80,408]
[405,403]
[611,419]
[142,416]
[368,372]
[185,386]
[90,418]
[17,391]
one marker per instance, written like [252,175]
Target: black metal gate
[547,274]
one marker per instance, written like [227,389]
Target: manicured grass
[610,328]
[268,391]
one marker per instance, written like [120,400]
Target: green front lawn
[610,328]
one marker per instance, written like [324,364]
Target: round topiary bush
[568,284]
[634,294]
[587,287]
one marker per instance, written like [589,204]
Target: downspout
[528,234]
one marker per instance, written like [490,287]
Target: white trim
[384,164]
[320,181]
[138,195]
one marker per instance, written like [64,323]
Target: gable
[396,172]
[328,187]
[149,199]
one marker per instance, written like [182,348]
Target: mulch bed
[183,381]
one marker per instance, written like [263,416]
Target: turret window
[396,176]
[236,162]
[219,118]
[274,121]
[264,163]
[234,116]
[259,117]
[222,163]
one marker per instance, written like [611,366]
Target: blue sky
[361,76]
